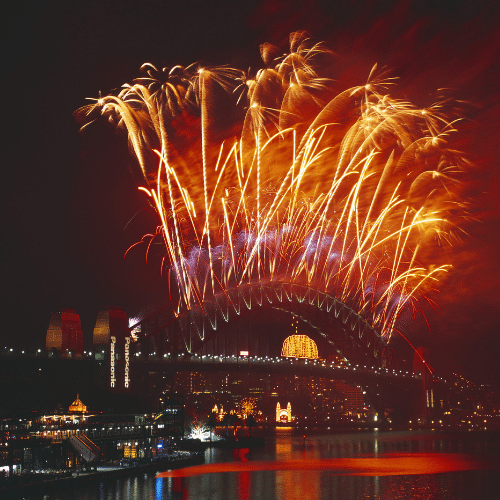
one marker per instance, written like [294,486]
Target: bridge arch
[346,331]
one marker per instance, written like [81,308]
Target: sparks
[345,193]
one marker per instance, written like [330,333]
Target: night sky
[71,207]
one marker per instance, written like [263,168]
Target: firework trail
[275,178]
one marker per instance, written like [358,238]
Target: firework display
[277,177]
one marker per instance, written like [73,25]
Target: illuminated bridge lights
[323,368]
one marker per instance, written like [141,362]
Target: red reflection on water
[244,485]
[243,476]
[387,465]
[180,487]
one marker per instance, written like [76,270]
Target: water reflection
[159,488]
[295,485]
[363,465]
[338,466]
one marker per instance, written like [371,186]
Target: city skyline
[74,209]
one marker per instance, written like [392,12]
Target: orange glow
[350,191]
[77,406]
[391,465]
[299,346]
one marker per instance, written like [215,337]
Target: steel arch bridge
[346,331]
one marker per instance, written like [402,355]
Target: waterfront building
[77,406]
[170,417]
[284,414]
[77,437]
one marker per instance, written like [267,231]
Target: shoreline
[74,480]
[197,449]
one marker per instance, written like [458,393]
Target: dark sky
[68,199]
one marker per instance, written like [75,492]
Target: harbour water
[376,469]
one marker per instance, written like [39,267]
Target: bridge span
[382,388]
[283,365]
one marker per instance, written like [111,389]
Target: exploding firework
[275,177]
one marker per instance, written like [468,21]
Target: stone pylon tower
[111,340]
[65,333]
[422,370]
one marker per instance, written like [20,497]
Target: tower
[422,370]
[65,333]
[112,322]
[111,339]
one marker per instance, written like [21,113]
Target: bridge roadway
[285,366]
[167,363]
[87,368]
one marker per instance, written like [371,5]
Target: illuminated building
[112,339]
[170,418]
[77,406]
[219,414]
[299,346]
[283,415]
[189,382]
[73,439]
[89,437]
[353,398]
[65,333]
